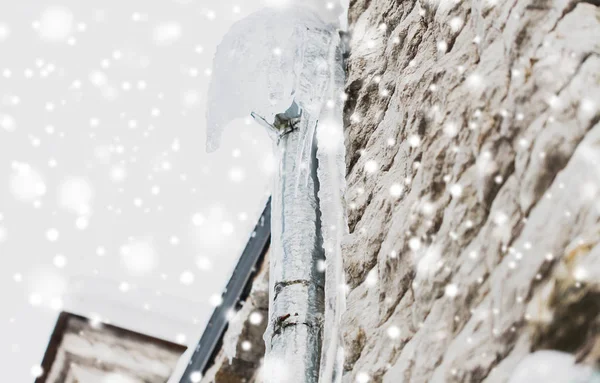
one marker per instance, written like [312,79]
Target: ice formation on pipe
[331,172]
[266,63]
[259,65]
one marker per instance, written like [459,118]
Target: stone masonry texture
[473,167]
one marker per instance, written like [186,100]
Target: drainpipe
[296,303]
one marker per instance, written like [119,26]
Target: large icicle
[259,65]
[331,173]
[274,59]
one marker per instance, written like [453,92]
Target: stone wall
[473,186]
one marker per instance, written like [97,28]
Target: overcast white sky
[109,205]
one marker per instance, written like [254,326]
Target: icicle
[234,331]
[331,173]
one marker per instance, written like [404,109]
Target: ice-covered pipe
[285,68]
[296,302]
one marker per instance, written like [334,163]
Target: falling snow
[101,135]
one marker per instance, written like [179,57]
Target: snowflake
[451,290]
[246,346]
[52,235]
[167,33]
[442,46]
[76,194]
[414,141]
[37,371]
[211,15]
[456,190]
[393,332]
[26,184]
[500,218]
[474,82]
[118,173]
[227,228]
[396,190]
[4,31]
[414,243]
[451,129]
[554,101]
[187,278]
[587,108]
[456,24]
[195,377]
[8,123]
[215,300]
[204,263]
[236,174]
[124,286]
[198,219]
[371,279]
[427,208]
[321,266]
[371,166]
[180,338]
[362,377]
[56,304]
[256,318]
[429,263]
[60,261]
[35,299]
[139,256]
[55,24]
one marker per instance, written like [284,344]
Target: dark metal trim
[52,349]
[235,294]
